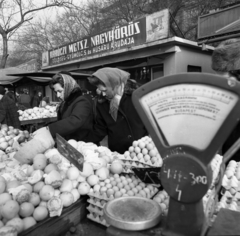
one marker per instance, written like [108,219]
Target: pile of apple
[37,113]
[145,151]
[30,193]
[8,134]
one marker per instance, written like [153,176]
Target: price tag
[148,175]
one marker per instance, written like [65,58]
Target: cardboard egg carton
[138,162]
[215,166]
[162,198]
[100,203]
[97,218]
[231,177]
[95,209]
[229,201]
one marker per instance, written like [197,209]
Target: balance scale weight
[188,116]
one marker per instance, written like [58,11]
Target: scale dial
[188,114]
[184,178]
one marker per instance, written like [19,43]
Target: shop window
[157,71]
[141,75]
[194,68]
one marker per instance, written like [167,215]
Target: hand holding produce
[41,142]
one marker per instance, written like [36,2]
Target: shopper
[8,110]
[25,99]
[226,62]
[116,117]
[44,102]
[35,100]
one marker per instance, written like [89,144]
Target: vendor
[226,62]
[116,117]
[75,117]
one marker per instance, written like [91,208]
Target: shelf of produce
[38,121]
[59,225]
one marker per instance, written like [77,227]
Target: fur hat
[226,56]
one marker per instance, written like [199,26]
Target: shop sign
[144,30]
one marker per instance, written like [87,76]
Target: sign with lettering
[144,30]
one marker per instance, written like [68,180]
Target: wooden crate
[59,225]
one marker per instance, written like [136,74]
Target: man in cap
[226,62]
[8,110]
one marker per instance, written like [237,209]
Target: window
[194,68]
[157,71]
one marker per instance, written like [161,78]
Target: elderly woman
[75,118]
[116,115]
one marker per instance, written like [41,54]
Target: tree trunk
[5,51]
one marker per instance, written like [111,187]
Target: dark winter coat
[35,101]
[8,112]
[233,137]
[75,117]
[121,133]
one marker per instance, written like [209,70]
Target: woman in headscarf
[75,111]
[117,117]
[75,118]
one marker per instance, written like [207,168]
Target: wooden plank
[59,225]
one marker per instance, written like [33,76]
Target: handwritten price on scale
[179,176]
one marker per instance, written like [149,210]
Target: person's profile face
[105,92]
[59,90]
[39,94]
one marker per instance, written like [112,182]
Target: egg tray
[97,218]
[215,165]
[95,209]
[231,177]
[97,202]
[162,200]
[95,196]
[138,162]
[229,203]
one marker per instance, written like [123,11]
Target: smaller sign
[148,175]
[69,152]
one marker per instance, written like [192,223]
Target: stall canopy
[47,74]
[13,74]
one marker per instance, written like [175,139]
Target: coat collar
[74,94]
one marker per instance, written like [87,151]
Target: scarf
[115,81]
[69,85]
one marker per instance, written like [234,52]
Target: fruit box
[59,225]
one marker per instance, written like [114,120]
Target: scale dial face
[188,114]
[184,179]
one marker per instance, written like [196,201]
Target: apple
[21,139]
[16,131]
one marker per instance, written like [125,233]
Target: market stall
[171,182]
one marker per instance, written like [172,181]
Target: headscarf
[115,80]
[69,85]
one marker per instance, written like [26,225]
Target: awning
[47,74]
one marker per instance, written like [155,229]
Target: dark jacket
[235,134]
[121,133]
[35,101]
[8,112]
[25,100]
[75,117]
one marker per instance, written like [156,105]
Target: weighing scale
[188,116]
